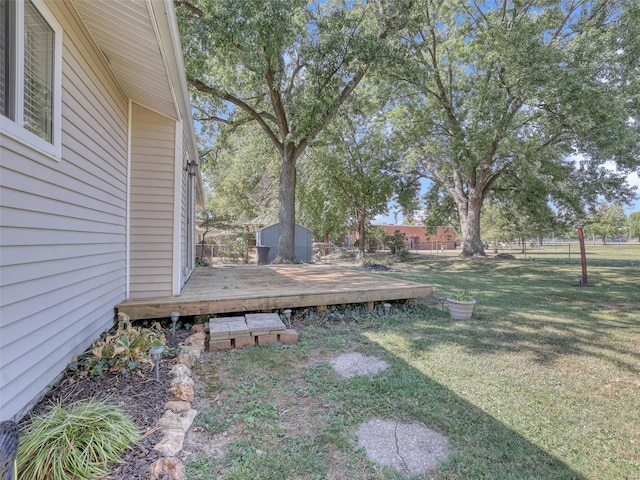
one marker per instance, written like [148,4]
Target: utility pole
[583,259]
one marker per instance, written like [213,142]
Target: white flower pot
[460,309]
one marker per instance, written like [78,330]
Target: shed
[303,239]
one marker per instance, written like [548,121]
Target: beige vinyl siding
[62,248]
[152,203]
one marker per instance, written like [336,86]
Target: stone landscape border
[242,331]
[179,415]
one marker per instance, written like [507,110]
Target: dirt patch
[352,364]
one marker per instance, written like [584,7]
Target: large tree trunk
[287,212]
[361,234]
[470,229]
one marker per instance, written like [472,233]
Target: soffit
[125,31]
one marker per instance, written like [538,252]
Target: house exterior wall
[63,227]
[153,144]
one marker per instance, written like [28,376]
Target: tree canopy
[287,65]
[531,105]
[243,171]
[519,97]
[354,164]
[634,225]
[607,221]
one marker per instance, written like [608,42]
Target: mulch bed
[137,393]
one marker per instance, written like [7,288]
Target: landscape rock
[171,443]
[170,466]
[177,421]
[182,388]
[180,369]
[193,352]
[177,405]
[196,340]
[184,359]
[198,328]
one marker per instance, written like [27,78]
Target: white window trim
[15,129]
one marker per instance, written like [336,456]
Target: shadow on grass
[482,446]
[544,342]
[523,308]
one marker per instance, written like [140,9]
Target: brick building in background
[417,238]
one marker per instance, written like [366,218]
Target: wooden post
[583,258]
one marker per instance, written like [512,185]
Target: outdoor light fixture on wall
[191,168]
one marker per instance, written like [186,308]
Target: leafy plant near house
[75,442]
[123,350]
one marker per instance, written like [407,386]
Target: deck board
[231,289]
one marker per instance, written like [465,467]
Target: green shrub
[374,238]
[397,243]
[235,246]
[74,442]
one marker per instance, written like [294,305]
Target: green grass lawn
[542,383]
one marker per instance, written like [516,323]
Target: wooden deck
[264,288]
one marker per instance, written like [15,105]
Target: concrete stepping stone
[228,327]
[411,449]
[352,364]
[264,323]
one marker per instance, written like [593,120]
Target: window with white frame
[30,57]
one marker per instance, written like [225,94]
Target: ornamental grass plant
[76,442]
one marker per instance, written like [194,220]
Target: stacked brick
[251,329]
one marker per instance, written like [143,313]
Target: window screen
[7,58]
[38,73]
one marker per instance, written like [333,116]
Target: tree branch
[202,87]
[189,6]
[276,100]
